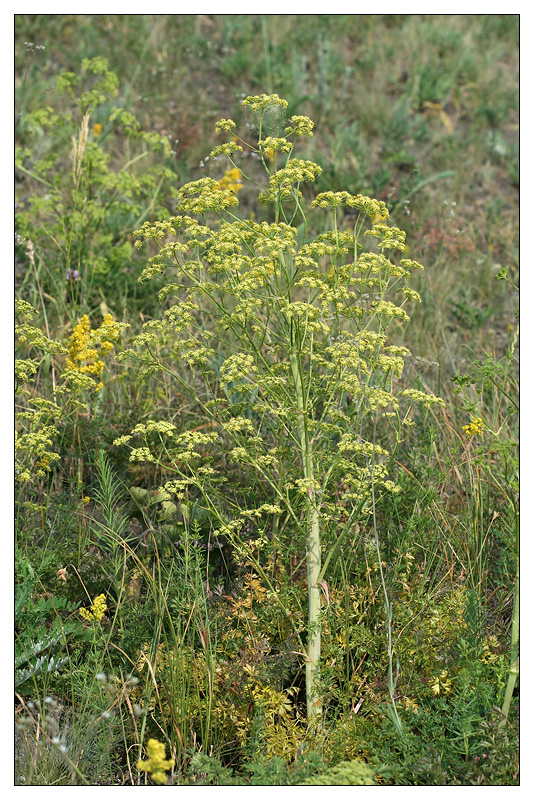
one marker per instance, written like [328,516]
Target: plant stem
[313,553]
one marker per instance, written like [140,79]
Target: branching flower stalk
[281,342]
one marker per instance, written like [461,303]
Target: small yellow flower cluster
[282,183]
[97,129]
[354,444]
[373,208]
[224,125]
[262,101]
[87,347]
[411,293]
[392,238]
[141,454]
[389,309]
[154,426]
[475,427]
[377,263]
[238,424]
[300,126]
[226,149]
[24,370]
[97,610]
[271,145]
[231,180]
[408,264]
[256,513]
[426,400]
[36,444]
[199,197]
[156,764]
[236,368]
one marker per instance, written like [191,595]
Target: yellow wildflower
[97,610]
[475,426]
[156,764]
[97,129]
[88,347]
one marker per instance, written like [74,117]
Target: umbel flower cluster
[282,340]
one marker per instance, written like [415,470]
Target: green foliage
[82,207]
[45,630]
[347,773]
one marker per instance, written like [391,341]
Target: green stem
[313,553]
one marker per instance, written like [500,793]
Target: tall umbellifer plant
[280,340]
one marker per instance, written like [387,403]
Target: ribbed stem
[313,553]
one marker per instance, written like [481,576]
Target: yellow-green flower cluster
[192,439]
[282,184]
[224,125]
[300,126]
[226,149]
[408,264]
[427,400]
[238,424]
[389,309]
[157,230]
[156,764]
[142,454]
[204,195]
[373,208]
[390,238]
[154,426]
[97,611]
[377,263]
[407,291]
[236,368]
[29,335]
[256,513]
[263,101]
[475,427]
[24,370]
[34,444]
[352,443]
[378,398]
[358,480]
[271,145]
